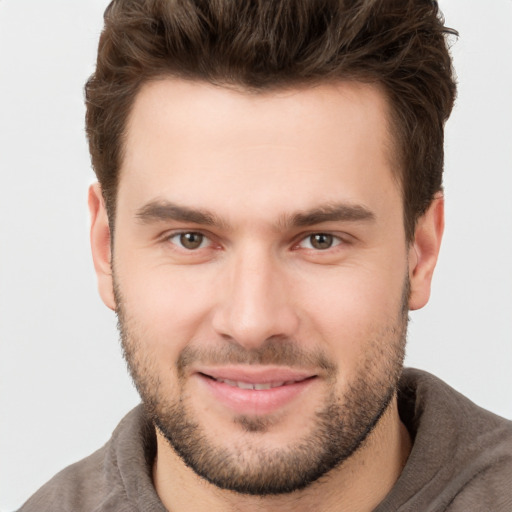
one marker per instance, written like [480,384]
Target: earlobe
[423,252]
[100,245]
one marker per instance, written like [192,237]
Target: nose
[255,303]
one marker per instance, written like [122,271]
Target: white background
[63,384]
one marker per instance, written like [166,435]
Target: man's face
[261,275]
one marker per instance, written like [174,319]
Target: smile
[255,385]
[255,391]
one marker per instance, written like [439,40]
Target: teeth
[244,385]
[268,385]
[249,385]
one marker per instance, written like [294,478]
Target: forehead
[211,143]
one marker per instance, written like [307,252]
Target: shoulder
[99,482]
[77,487]
[462,454]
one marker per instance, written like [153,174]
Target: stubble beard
[339,428]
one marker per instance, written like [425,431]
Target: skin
[256,162]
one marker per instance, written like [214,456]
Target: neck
[358,485]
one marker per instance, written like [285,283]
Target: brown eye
[321,241]
[191,241]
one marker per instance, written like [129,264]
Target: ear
[100,245]
[423,252]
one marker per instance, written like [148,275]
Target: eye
[190,240]
[320,241]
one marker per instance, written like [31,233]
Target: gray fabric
[461,461]
[117,477]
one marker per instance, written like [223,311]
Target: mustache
[275,351]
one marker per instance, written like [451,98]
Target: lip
[285,385]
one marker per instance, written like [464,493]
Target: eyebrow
[155,211]
[159,210]
[329,213]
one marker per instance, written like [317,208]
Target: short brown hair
[263,44]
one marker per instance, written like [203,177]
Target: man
[269,208]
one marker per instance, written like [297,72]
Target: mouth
[255,391]
[260,386]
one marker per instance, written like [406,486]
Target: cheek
[167,306]
[351,310]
